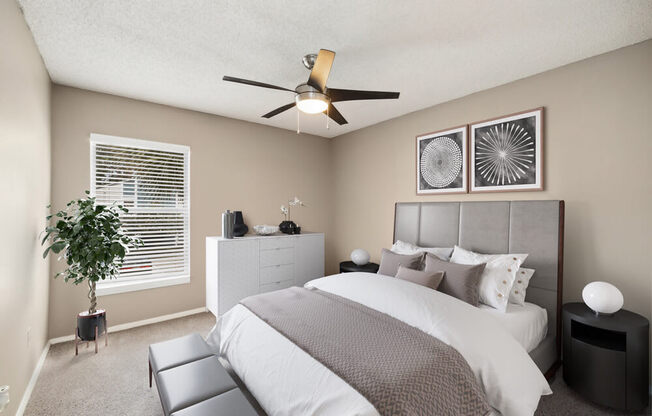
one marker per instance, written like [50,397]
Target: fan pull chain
[298,129]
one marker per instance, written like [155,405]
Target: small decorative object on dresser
[507,153]
[265,229]
[349,267]
[228,221]
[606,356]
[239,227]
[360,256]
[288,226]
[602,297]
[441,162]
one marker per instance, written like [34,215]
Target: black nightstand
[606,356]
[349,266]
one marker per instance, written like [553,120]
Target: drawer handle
[277,248]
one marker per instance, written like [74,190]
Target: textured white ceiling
[176,52]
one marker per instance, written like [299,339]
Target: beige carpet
[114,382]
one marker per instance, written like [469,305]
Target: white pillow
[402,247]
[498,275]
[517,295]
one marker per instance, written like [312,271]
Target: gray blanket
[399,369]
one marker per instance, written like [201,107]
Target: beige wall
[598,145]
[233,164]
[597,142]
[25,190]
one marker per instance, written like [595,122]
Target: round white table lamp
[360,256]
[602,297]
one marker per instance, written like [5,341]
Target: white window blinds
[151,180]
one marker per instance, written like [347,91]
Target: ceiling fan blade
[279,110]
[335,115]
[254,83]
[353,95]
[321,69]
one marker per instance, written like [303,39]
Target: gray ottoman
[176,352]
[185,385]
[231,403]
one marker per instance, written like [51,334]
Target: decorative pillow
[517,294]
[459,281]
[498,276]
[403,247]
[431,280]
[389,262]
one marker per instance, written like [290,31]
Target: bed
[286,380]
[534,227]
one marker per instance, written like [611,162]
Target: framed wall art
[507,153]
[442,161]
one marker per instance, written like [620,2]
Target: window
[151,180]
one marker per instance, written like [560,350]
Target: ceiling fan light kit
[311,101]
[313,97]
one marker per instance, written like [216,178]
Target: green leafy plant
[91,240]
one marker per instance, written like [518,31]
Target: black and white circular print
[440,162]
[505,153]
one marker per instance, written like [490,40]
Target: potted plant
[93,243]
[288,226]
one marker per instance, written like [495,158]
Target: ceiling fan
[313,97]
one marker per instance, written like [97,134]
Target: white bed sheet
[528,324]
[287,381]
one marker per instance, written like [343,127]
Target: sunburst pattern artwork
[441,162]
[506,153]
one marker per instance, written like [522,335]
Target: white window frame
[114,286]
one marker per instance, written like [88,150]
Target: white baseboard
[129,325]
[120,327]
[32,381]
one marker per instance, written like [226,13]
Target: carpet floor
[115,381]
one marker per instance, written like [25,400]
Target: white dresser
[241,267]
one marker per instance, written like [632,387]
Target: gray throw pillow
[431,280]
[389,262]
[461,281]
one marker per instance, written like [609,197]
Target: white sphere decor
[360,256]
[602,297]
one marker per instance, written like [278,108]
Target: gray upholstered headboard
[533,227]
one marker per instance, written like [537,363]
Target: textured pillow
[498,276]
[517,294]
[390,261]
[460,281]
[431,280]
[402,247]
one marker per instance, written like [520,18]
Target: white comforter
[287,381]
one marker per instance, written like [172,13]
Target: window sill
[116,286]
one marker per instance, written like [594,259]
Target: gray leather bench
[191,381]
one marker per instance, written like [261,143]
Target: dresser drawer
[276,256]
[275,286]
[272,243]
[278,273]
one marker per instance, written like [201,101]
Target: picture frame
[506,153]
[442,161]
